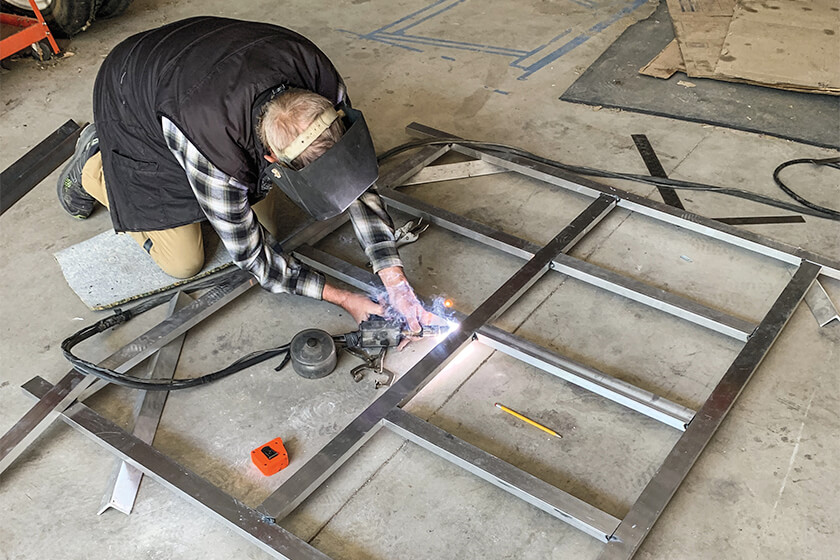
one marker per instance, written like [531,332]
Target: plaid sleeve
[224,201]
[375,231]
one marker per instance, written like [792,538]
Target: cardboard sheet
[700,27]
[784,43]
[614,81]
[666,63]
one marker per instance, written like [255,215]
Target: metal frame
[622,537]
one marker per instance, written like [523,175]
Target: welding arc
[807,208]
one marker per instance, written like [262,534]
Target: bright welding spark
[451,327]
[442,310]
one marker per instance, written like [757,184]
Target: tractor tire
[64,17]
[112,8]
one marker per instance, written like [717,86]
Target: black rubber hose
[830,162]
[119,317]
[86,367]
[808,209]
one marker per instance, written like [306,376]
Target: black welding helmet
[329,184]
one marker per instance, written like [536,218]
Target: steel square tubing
[644,402]
[581,270]
[36,420]
[651,208]
[661,488]
[238,517]
[618,391]
[303,482]
[527,487]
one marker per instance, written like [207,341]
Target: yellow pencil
[528,420]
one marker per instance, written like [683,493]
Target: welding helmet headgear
[328,185]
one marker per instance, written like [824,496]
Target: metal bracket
[124,482]
[821,305]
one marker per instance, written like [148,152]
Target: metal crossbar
[622,537]
[661,488]
[616,390]
[533,490]
[308,477]
[581,270]
[635,203]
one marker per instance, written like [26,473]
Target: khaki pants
[179,251]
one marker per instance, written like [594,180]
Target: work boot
[71,195]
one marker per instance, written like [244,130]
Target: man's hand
[402,299]
[359,306]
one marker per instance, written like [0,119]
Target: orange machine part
[270,457]
[31,32]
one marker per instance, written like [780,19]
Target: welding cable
[120,317]
[829,162]
[125,380]
[809,209]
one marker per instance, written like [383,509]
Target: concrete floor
[766,487]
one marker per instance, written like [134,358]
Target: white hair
[287,116]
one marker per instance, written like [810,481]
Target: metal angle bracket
[821,305]
[73,384]
[452,171]
[124,482]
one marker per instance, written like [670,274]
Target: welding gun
[381,332]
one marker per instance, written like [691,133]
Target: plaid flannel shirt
[224,201]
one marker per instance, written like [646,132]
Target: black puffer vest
[208,76]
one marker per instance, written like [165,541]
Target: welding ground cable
[829,162]
[119,317]
[354,339]
[125,380]
[809,209]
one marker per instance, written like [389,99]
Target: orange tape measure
[270,457]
